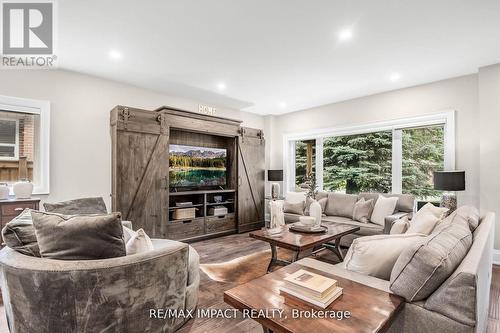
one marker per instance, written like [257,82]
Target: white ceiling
[270,52]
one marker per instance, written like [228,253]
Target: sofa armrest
[389,221]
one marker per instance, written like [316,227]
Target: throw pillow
[362,210]
[423,267]
[340,204]
[383,207]
[294,208]
[307,204]
[400,226]
[423,223]
[19,234]
[79,237]
[77,206]
[439,212]
[139,242]
[322,202]
[376,255]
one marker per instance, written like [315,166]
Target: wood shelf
[200,192]
[220,203]
[190,206]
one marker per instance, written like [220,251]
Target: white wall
[459,94]
[489,105]
[80,143]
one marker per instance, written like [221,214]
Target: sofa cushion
[422,268]
[339,270]
[400,226]
[383,207]
[19,234]
[77,206]
[363,210]
[79,237]
[406,202]
[322,202]
[376,255]
[425,220]
[294,207]
[465,214]
[340,204]
[294,197]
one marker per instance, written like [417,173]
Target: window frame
[15,145]
[41,108]
[445,118]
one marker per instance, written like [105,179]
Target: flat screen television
[196,167]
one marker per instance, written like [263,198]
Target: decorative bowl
[307,220]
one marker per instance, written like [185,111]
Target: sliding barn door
[251,174]
[140,170]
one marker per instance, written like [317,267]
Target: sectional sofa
[405,207]
[445,279]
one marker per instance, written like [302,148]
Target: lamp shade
[275,175]
[449,180]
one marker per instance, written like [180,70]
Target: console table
[10,208]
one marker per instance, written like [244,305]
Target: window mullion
[397,161]
[319,163]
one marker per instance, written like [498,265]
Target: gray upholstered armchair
[110,295]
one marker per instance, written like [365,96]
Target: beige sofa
[458,305]
[405,206]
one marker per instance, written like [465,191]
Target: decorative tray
[307,229]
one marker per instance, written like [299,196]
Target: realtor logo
[28,34]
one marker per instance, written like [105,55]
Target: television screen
[192,166]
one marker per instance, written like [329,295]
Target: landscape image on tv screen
[192,166]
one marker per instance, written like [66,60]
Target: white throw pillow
[295,197]
[383,207]
[423,222]
[439,212]
[376,255]
[400,226]
[139,241]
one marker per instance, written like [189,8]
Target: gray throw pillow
[340,204]
[294,207]
[363,210]
[422,268]
[19,235]
[77,206]
[79,237]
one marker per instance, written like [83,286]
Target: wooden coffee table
[371,310]
[300,242]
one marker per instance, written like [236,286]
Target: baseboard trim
[496,257]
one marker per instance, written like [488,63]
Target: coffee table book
[309,283]
[292,297]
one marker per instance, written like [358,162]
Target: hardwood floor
[211,292]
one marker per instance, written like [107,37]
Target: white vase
[315,211]
[277,215]
[23,189]
[4,191]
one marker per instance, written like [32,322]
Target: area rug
[243,269]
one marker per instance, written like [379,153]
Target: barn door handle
[164,183]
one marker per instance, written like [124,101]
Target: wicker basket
[184,213]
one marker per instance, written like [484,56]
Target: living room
[184,166]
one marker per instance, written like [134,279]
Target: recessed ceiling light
[282,105]
[345,34]
[221,86]
[395,77]
[115,55]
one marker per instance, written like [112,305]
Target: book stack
[315,289]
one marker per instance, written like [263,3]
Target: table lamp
[450,182]
[275,176]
